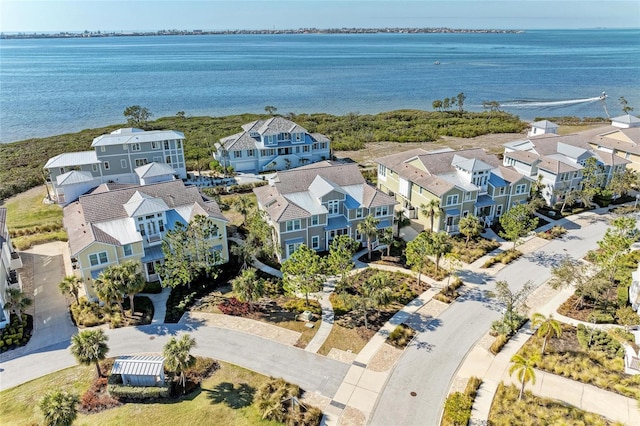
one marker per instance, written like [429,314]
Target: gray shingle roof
[273,126]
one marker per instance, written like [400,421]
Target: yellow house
[117,223]
[455,183]
[623,140]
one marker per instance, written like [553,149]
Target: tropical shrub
[598,340]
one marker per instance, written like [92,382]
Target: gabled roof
[131,135]
[322,186]
[470,164]
[627,119]
[544,124]
[70,159]
[301,178]
[251,133]
[74,176]
[141,204]
[154,169]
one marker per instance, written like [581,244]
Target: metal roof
[484,201]
[338,222]
[154,169]
[139,365]
[69,159]
[74,176]
[131,135]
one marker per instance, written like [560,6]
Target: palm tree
[248,287]
[432,210]
[178,358]
[369,228]
[400,220]
[524,369]
[375,292]
[470,227]
[133,281]
[245,252]
[243,205]
[547,327]
[110,286]
[17,302]
[90,346]
[387,238]
[71,285]
[59,408]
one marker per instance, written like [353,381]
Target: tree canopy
[516,223]
[137,116]
[301,272]
[90,347]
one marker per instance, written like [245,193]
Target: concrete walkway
[159,301]
[326,323]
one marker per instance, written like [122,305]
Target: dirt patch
[492,143]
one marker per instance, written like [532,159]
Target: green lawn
[32,222]
[225,399]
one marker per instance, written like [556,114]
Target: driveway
[429,364]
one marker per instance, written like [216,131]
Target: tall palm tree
[400,220]
[71,285]
[59,408]
[369,228]
[431,210]
[547,327]
[375,292]
[178,358]
[524,369]
[90,347]
[17,302]
[470,227]
[110,286]
[133,280]
[243,205]
[387,238]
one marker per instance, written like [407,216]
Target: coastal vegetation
[22,161]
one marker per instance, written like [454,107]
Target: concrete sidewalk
[326,323]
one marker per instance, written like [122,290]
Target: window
[465,213]
[94,167]
[298,137]
[104,149]
[124,147]
[166,144]
[305,148]
[284,136]
[451,199]
[123,164]
[381,211]
[61,170]
[161,225]
[155,145]
[141,228]
[178,144]
[293,225]
[499,210]
[167,159]
[501,191]
[237,154]
[250,152]
[333,206]
[359,212]
[98,258]
[106,165]
[291,248]
[315,242]
[467,196]
[627,156]
[520,189]
[128,251]
[141,162]
[314,220]
[382,170]
[135,147]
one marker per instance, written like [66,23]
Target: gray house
[115,158]
[270,145]
[313,204]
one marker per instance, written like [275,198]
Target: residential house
[10,262]
[463,182]
[117,222]
[116,157]
[270,145]
[542,127]
[313,204]
[557,162]
[622,140]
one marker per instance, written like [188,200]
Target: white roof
[321,187]
[154,169]
[470,164]
[544,124]
[306,201]
[123,230]
[131,135]
[355,191]
[72,159]
[74,176]
[141,204]
[139,365]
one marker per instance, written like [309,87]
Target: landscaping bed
[601,365]
[16,333]
[476,248]
[505,258]
[90,314]
[457,407]
[401,336]
[507,410]
[550,234]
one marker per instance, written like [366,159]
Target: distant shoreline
[90,34]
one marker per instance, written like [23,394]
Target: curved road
[428,365]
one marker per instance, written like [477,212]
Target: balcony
[14,279]
[453,229]
[16,262]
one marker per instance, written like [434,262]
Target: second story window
[96,259]
[359,213]
[106,165]
[314,220]
[293,225]
[521,189]
[333,206]
[250,152]
[166,144]
[381,211]
[452,199]
[237,154]
[135,147]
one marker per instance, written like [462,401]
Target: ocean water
[53,86]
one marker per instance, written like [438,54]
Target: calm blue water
[54,86]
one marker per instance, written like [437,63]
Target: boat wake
[536,104]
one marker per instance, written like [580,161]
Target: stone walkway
[326,323]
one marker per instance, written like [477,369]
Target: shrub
[623,296]
[299,306]
[499,343]
[138,393]
[457,409]
[598,340]
[472,386]
[401,336]
[555,232]
[598,317]
[233,306]
[95,399]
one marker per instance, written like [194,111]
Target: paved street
[428,366]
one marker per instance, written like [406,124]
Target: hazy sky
[115,15]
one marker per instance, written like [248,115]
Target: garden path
[326,323]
